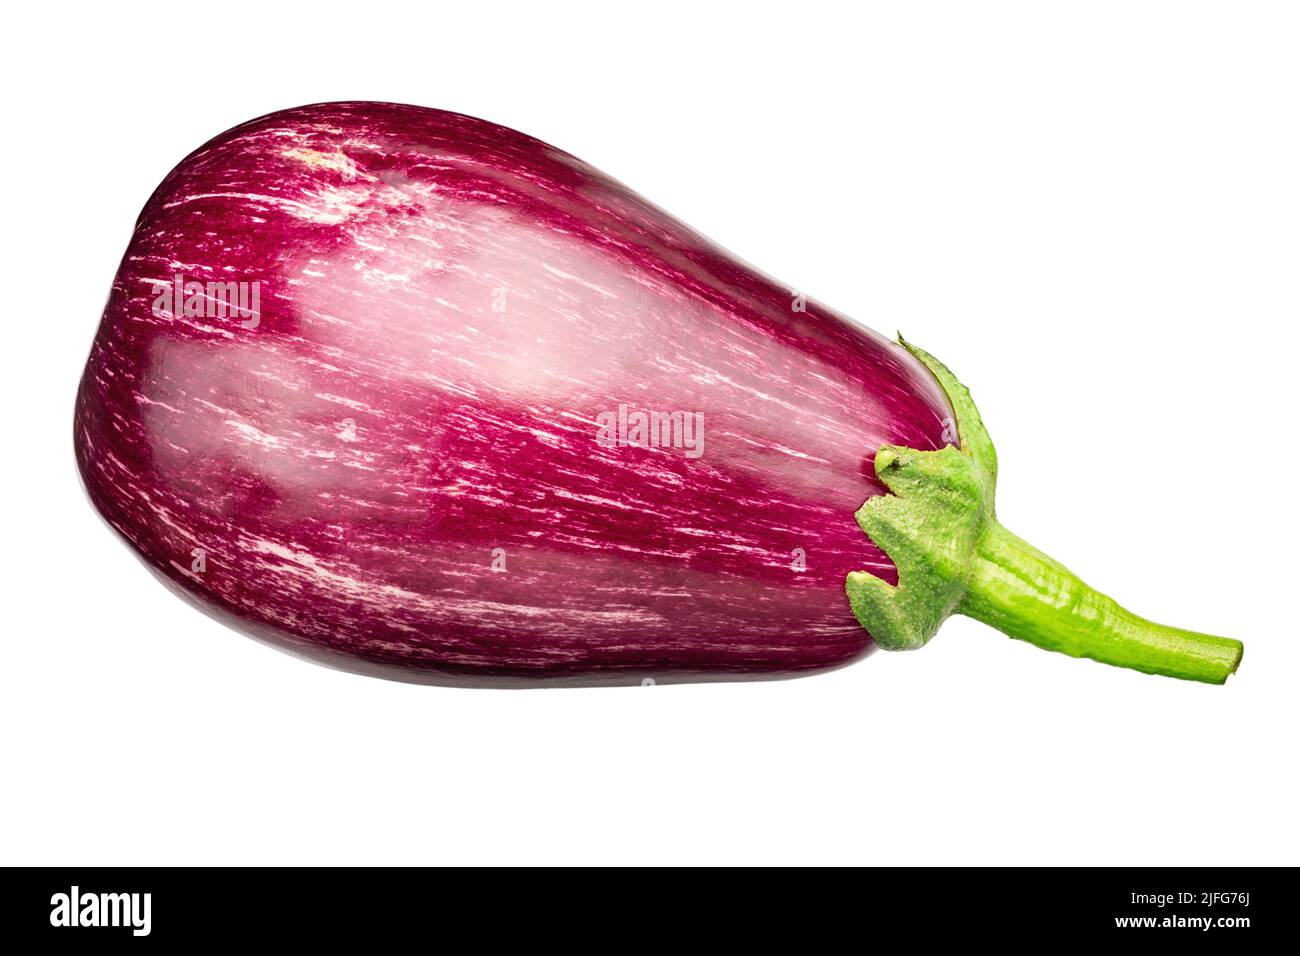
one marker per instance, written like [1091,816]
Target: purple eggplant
[413,394]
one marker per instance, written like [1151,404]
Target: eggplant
[416,395]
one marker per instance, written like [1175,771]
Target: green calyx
[940,529]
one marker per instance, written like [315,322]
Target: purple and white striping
[392,464]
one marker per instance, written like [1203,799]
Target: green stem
[1023,593]
[939,527]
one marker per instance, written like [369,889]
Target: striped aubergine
[416,395]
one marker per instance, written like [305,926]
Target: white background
[1091,211]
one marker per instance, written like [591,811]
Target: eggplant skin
[394,465]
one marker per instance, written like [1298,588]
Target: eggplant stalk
[953,557]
